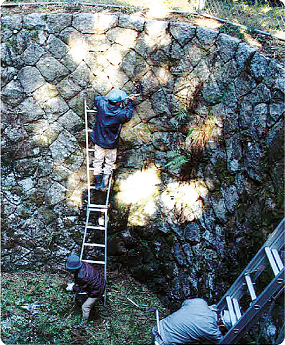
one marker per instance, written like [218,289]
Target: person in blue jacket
[111,115]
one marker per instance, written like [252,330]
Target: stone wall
[199,183]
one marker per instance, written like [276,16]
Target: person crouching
[86,279]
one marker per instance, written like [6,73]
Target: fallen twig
[134,303]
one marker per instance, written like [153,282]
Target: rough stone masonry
[199,183]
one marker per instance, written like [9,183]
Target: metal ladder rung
[96,227]
[237,308]
[91,111]
[231,310]
[94,245]
[89,130]
[91,150]
[271,261]
[277,258]
[94,262]
[97,208]
[250,287]
[92,187]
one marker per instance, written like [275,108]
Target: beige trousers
[87,306]
[101,155]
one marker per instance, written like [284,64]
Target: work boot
[105,181]
[97,179]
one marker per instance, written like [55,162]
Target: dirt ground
[267,45]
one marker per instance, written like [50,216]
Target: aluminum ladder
[95,232]
[269,262]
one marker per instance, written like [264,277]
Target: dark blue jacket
[109,121]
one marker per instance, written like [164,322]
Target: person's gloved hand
[69,287]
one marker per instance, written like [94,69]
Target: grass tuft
[199,135]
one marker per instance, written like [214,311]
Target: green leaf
[177,161]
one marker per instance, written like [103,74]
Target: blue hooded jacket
[109,121]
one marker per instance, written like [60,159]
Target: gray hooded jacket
[194,322]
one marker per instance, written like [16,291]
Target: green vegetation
[178,161]
[232,30]
[199,134]
[37,309]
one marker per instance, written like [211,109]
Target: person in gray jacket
[195,322]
